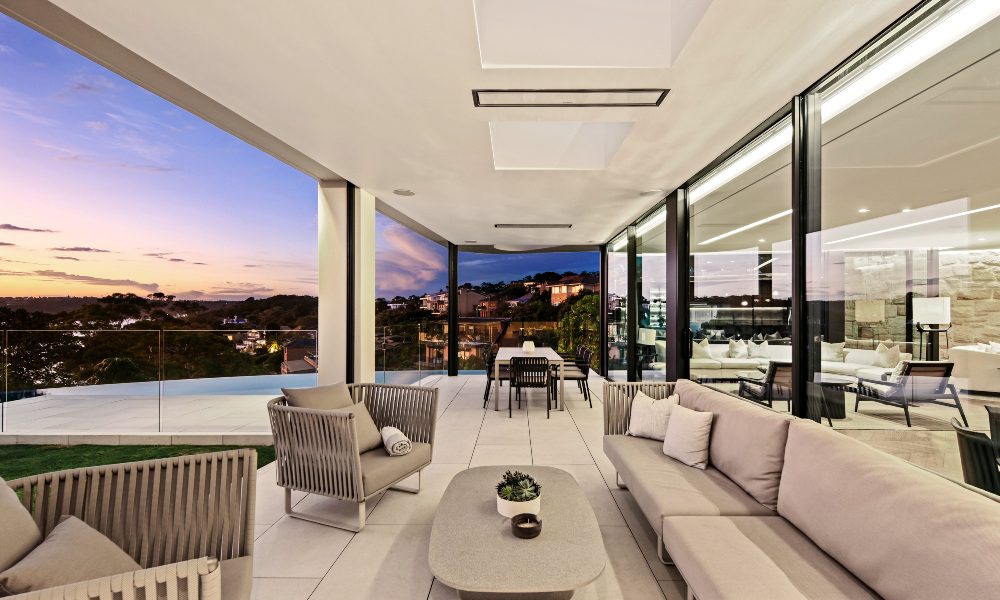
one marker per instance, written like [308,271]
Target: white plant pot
[510,509]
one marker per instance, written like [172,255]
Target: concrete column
[364,287]
[332,215]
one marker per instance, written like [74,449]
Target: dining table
[504,356]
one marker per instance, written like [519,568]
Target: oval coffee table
[473,550]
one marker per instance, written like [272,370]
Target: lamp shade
[528,347]
[869,311]
[932,311]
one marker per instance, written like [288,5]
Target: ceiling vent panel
[568,98]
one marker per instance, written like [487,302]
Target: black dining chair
[491,375]
[578,371]
[979,459]
[529,372]
[993,410]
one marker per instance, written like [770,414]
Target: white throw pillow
[832,352]
[897,373]
[738,349]
[886,357]
[700,350]
[995,347]
[758,350]
[983,347]
[687,436]
[649,417]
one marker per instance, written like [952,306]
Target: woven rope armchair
[176,517]
[317,450]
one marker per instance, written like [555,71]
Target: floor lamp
[932,316]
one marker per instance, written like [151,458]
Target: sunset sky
[105,187]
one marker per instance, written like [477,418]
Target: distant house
[396,305]
[519,301]
[468,301]
[234,320]
[300,357]
[570,286]
[488,308]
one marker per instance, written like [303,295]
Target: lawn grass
[20,460]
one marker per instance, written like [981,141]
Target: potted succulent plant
[518,493]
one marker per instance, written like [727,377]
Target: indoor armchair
[317,451]
[918,382]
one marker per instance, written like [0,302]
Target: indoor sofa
[789,509]
[856,363]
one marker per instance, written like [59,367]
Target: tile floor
[296,560]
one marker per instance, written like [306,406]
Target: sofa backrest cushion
[867,357]
[747,443]
[779,352]
[719,350]
[907,533]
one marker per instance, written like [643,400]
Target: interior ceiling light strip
[649,224]
[914,224]
[954,25]
[533,225]
[649,97]
[746,227]
[764,264]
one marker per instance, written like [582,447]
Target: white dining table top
[505,354]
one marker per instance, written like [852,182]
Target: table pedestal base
[501,596]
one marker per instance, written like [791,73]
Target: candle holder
[526,526]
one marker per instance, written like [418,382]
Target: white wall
[332,218]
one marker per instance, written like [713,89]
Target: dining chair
[529,372]
[491,374]
[979,459]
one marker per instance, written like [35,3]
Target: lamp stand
[933,337]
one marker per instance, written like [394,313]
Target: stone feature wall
[972,279]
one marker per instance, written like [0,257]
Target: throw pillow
[983,347]
[757,337]
[738,349]
[772,336]
[832,352]
[369,437]
[886,357]
[649,417]
[995,347]
[18,532]
[323,397]
[687,436]
[758,350]
[700,350]
[72,552]
[897,373]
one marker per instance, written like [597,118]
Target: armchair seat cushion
[379,470]
[237,578]
[755,558]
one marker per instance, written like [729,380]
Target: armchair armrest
[618,402]
[316,451]
[411,409]
[198,578]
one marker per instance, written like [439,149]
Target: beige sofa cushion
[18,532]
[379,470]
[72,552]
[748,441]
[755,558]
[663,486]
[907,533]
[323,397]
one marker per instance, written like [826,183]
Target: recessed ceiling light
[863,210]
[980,239]
[761,240]
[651,193]
[403,192]
[907,209]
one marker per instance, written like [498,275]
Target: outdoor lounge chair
[776,385]
[317,450]
[918,382]
[188,521]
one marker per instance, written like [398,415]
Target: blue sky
[105,187]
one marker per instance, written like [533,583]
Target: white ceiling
[380,93]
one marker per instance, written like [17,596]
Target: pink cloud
[405,262]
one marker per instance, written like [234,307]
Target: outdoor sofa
[789,509]
[188,521]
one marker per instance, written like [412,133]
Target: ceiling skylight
[591,33]
[556,145]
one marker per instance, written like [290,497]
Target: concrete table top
[473,550]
